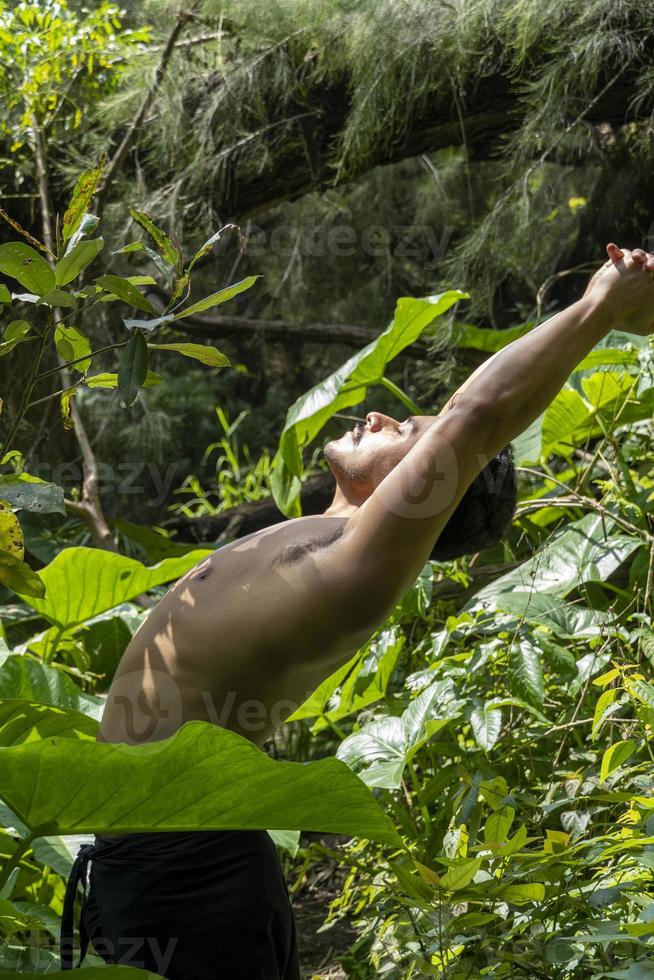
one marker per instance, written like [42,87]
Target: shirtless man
[249,632]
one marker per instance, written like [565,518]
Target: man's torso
[240,641]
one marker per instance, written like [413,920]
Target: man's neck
[342,505]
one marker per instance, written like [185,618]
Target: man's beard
[347,467]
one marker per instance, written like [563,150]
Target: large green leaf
[24,263]
[27,492]
[567,619]
[203,777]
[486,724]
[574,415]
[347,386]
[83,582]
[490,341]
[26,679]
[22,721]
[430,711]
[587,550]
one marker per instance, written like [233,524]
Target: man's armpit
[295,552]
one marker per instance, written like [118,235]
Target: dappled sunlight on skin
[250,632]
[241,641]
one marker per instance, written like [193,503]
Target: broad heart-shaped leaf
[72,345]
[27,492]
[125,291]
[22,721]
[24,263]
[581,552]
[199,352]
[77,259]
[84,582]
[132,368]
[19,577]
[202,777]
[85,188]
[347,386]
[27,679]
[216,298]
[87,973]
[526,672]
[573,415]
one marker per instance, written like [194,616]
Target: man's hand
[624,285]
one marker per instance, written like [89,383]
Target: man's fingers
[614,253]
[639,256]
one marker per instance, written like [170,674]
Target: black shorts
[201,905]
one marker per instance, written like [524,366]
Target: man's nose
[377,421]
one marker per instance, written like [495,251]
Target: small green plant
[239,479]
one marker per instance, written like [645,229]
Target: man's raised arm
[393,532]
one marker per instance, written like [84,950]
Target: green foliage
[52,285]
[201,777]
[513,746]
[110,579]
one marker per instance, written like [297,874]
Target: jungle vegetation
[223,224]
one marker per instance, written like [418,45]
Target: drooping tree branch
[308,159]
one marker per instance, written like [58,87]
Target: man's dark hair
[483,513]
